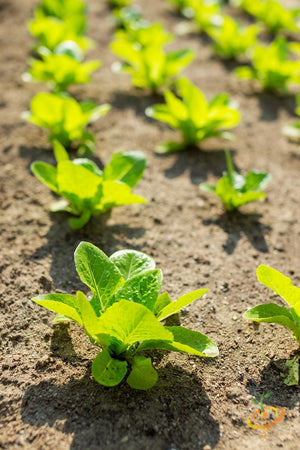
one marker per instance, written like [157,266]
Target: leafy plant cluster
[271,65]
[59,27]
[272,14]
[236,190]
[140,45]
[125,315]
[86,189]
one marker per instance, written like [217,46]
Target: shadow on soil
[271,105]
[235,224]
[139,102]
[271,381]
[176,410]
[198,163]
[62,242]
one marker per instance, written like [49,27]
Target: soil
[48,397]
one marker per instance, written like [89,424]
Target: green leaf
[185,341]
[64,304]
[181,302]
[142,376]
[279,283]
[78,222]
[108,371]
[161,112]
[78,184]
[208,187]
[115,194]
[244,73]
[46,173]
[60,152]
[127,167]
[131,262]
[272,313]
[98,273]
[162,301]
[89,165]
[256,181]
[194,99]
[142,288]
[129,323]
[88,315]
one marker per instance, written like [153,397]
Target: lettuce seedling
[293,131]
[271,312]
[51,31]
[236,190]
[66,10]
[193,116]
[144,58]
[124,315]
[89,191]
[231,39]
[205,13]
[60,71]
[272,14]
[129,18]
[66,119]
[271,67]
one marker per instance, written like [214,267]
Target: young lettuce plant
[128,18]
[273,313]
[60,71]
[293,131]
[65,118]
[204,13]
[231,39]
[51,32]
[144,58]
[65,10]
[124,315]
[193,116]
[271,67]
[87,190]
[236,190]
[272,14]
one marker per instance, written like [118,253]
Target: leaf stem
[230,168]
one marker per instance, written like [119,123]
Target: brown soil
[48,398]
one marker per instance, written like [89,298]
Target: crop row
[124,315]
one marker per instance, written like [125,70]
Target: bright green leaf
[98,273]
[181,302]
[142,376]
[142,288]
[64,304]
[131,262]
[107,370]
